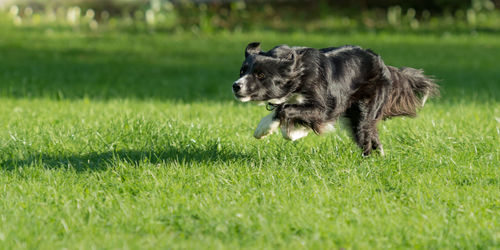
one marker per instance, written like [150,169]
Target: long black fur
[343,81]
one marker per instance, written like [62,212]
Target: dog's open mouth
[242,98]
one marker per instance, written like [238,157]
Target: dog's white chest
[296,98]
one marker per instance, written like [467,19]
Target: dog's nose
[236,87]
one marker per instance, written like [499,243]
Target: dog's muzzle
[239,89]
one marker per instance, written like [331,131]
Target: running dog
[309,89]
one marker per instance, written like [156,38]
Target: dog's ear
[252,49]
[291,56]
[283,52]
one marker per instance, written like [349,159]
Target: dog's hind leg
[363,121]
[376,144]
[356,117]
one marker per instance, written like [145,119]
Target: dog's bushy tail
[410,90]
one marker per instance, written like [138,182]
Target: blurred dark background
[316,5]
[207,16]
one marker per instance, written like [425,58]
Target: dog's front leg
[292,131]
[293,115]
[266,126]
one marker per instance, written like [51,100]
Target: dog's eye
[241,72]
[261,75]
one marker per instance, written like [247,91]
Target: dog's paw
[381,151]
[293,132]
[327,127]
[266,126]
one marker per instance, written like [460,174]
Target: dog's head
[266,76]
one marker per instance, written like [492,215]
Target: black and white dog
[310,89]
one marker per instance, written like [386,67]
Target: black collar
[271,106]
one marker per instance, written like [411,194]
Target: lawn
[123,140]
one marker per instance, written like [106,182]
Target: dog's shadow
[99,161]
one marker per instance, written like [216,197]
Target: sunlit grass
[120,140]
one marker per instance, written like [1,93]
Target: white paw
[266,126]
[294,133]
[381,150]
[424,99]
[328,127]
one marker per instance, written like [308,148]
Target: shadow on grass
[105,160]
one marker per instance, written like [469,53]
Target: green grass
[134,141]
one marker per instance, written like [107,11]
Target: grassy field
[115,140]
